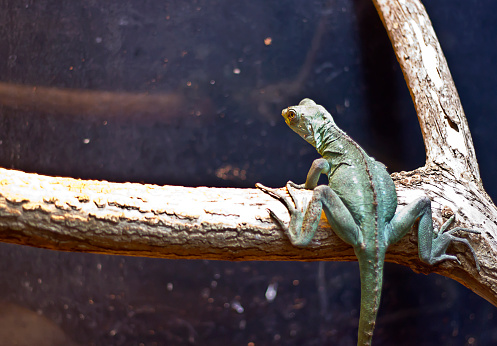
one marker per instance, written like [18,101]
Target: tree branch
[450,177]
[233,224]
[443,124]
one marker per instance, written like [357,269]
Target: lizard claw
[296,186]
[293,229]
[277,195]
[446,236]
[277,219]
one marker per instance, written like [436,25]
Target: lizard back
[361,182]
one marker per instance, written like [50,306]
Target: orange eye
[291,115]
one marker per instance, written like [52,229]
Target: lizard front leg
[318,167]
[304,218]
[432,244]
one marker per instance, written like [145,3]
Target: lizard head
[309,120]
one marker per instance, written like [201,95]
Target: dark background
[230,84]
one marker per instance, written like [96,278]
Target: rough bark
[450,177]
[233,224]
[443,124]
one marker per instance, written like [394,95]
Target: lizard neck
[325,136]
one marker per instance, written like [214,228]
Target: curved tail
[371,268]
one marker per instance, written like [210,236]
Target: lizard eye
[291,115]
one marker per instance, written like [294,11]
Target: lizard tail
[371,282]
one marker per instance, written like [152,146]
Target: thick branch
[451,176]
[229,224]
[443,124]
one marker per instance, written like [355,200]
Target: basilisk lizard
[360,203]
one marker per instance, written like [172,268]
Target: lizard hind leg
[432,244]
[304,217]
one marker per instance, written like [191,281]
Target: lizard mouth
[284,114]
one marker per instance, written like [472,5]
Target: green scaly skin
[360,203]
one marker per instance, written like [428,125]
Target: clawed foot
[295,208]
[291,204]
[444,238]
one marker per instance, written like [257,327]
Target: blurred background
[190,92]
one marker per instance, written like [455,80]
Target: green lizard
[360,203]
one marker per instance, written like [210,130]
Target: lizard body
[360,204]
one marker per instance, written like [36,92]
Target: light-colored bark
[451,177]
[233,224]
[443,124]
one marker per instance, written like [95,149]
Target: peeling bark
[443,123]
[233,224]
